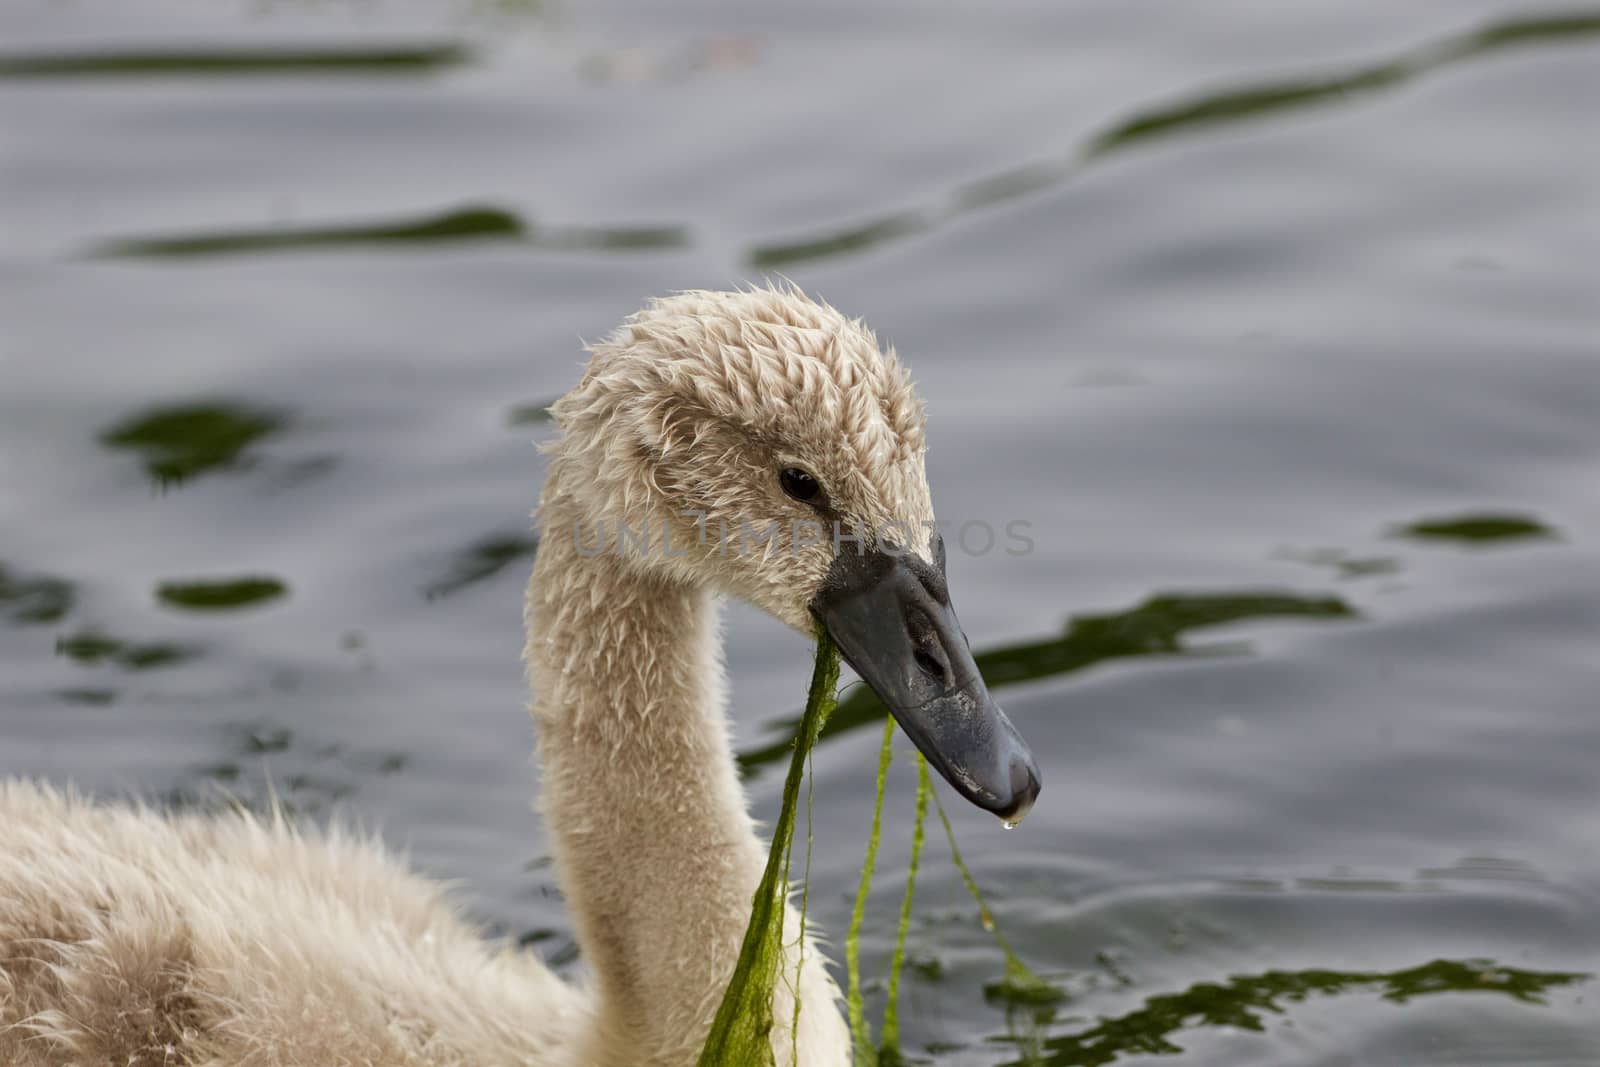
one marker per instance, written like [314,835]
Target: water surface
[1277,324]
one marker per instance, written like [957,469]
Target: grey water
[1278,325]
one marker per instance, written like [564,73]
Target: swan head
[762,444]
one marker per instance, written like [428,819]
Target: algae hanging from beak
[864,1052]
[741,1033]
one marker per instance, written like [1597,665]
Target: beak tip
[1024,789]
[892,620]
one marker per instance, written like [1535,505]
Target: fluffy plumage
[132,938]
[128,939]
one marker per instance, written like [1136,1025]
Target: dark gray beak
[890,615]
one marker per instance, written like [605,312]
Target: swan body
[129,937]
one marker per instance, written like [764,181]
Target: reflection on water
[672,63]
[181,442]
[223,594]
[481,560]
[1245,104]
[1259,100]
[1478,529]
[464,224]
[92,647]
[1243,1002]
[533,414]
[86,695]
[1342,563]
[33,599]
[609,238]
[267,769]
[234,62]
[1154,628]
[1484,869]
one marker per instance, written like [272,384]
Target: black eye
[798,484]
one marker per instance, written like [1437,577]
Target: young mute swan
[129,938]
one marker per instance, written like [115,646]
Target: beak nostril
[926,649]
[930,665]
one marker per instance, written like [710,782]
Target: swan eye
[798,484]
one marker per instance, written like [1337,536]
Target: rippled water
[1278,323]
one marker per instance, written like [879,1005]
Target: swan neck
[654,848]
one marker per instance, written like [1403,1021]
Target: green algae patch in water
[224,594]
[1486,528]
[184,441]
[212,63]
[741,1033]
[1244,1003]
[480,561]
[91,648]
[471,223]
